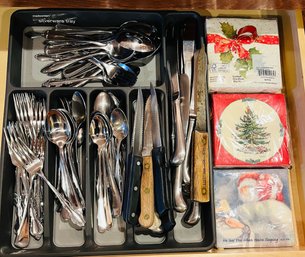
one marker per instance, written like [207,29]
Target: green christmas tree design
[251,135]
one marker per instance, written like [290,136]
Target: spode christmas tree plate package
[252,208]
[243,55]
[250,130]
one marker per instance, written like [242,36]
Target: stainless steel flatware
[119,124]
[186,74]
[82,55]
[26,133]
[179,151]
[59,131]
[100,135]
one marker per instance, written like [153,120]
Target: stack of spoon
[108,127]
[62,129]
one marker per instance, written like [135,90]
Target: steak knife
[146,218]
[162,179]
[134,168]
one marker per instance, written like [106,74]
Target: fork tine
[16,105]
[44,110]
[8,142]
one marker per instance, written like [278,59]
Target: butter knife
[179,152]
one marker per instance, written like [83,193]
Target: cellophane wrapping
[250,130]
[253,208]
[243,55]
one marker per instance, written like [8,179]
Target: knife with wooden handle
[146,218]
[200,190]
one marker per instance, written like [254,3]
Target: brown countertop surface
[162,4]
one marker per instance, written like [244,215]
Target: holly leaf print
[243,73]
[226,57]
[242,66]
[253,50]
[228,30]
[250,64]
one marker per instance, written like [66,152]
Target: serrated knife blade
[137,133]
[148,124]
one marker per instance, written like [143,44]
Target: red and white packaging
[250,130]
[243,55]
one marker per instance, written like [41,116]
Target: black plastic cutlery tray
[24,76]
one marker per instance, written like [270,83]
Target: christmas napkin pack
[250,130]
[243,55]
[252,208]
[250,134]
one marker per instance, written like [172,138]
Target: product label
[58,18]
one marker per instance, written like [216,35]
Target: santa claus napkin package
[253,208]
[250,130]
[243,55]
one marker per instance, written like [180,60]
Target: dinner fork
[22,155]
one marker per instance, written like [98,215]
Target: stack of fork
[26,145]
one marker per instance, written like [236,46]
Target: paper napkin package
[250,130]
[252,208]
[243,55]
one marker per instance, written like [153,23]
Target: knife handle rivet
[138,163]
[133,214]
[135,188]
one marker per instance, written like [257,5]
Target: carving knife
[161,174]
[134,170]
[146,218]
[200,190]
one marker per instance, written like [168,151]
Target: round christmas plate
[250,130]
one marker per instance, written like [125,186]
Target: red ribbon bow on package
[245,35]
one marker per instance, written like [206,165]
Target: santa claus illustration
[262,218]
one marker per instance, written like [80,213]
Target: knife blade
[146,218]
[200,174]
[134,168]
[162,178]
[161,197]
[179,152]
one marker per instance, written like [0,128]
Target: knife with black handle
[132,194]
[161,192]
[134,170]
[161,173]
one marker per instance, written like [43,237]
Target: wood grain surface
[161,4]
[146,218]
[201,167]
